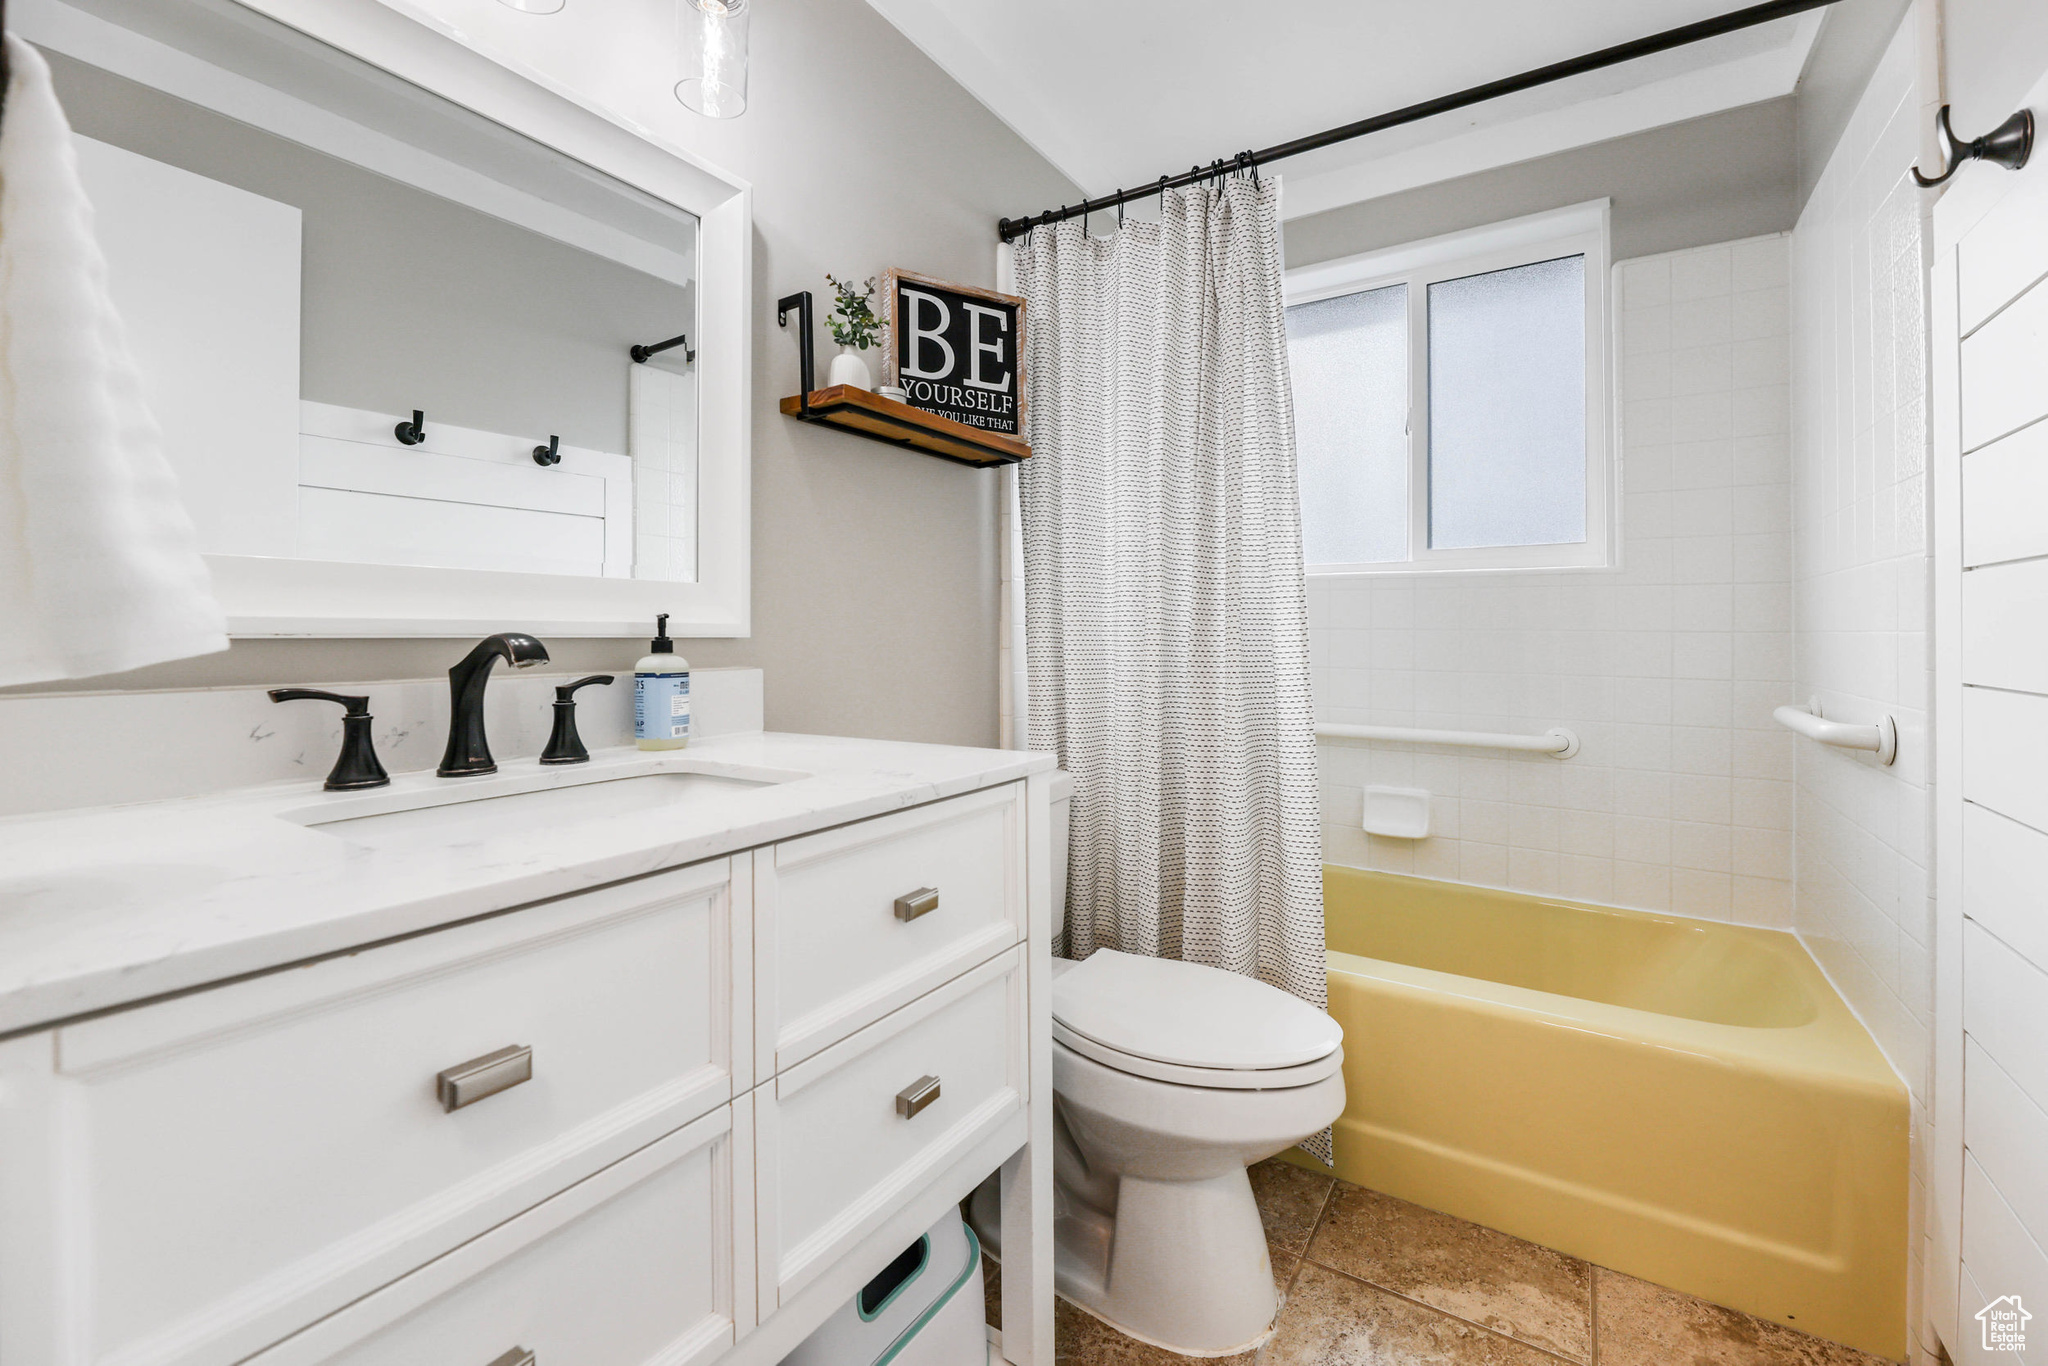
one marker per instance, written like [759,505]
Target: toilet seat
[1190,1025]
[1222,1078]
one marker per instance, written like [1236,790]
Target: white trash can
[923,1309]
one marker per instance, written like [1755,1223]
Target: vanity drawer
[633,1267]
[260,1154]
[853,923]
[838,1154]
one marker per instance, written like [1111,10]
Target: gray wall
[875,583]
[1734,174]
[1710,179]
[410,300]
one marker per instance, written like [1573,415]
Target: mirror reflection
[297,286]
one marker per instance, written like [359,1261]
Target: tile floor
[1368,1280]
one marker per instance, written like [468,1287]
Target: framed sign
[957,351]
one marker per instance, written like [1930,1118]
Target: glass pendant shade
[714,49]
[534,6]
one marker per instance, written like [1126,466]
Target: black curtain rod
[1012,228]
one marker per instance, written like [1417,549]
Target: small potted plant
[856,328]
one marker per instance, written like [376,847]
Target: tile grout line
[1454,1318]
[1315,1225]
[1300,1260]
[1592,1272]
[1592,1314]
[1301,1257]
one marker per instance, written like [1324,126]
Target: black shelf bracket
[807,361]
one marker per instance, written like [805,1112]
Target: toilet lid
[1189,1015]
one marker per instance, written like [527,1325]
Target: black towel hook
[550,454]
[413,432]
[2007,145]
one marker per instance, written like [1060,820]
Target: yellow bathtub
[1684,1101]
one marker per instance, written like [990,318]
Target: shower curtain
[1166,621]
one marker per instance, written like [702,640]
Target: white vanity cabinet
[670,1120]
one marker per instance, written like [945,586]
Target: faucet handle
[357,766]
[352,706]
[565,746]
[566,692]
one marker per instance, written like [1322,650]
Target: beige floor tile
[1290,1201]
[1528,1292]
[1082,1340]
[1331,1320]
[1285,1264]
[1646,1325]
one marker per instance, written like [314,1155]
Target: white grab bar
[1881,739]
[1556,741]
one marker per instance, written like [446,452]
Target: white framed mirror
[323,216]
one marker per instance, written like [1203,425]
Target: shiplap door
[1988,1188]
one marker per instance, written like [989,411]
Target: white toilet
[1170,1079]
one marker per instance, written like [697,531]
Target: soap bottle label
[661,706]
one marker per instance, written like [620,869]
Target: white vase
[850,368]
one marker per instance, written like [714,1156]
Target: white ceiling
[1115,92]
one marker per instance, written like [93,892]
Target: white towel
[99,564]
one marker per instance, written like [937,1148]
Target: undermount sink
[494,813]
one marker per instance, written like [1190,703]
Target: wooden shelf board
[884,419]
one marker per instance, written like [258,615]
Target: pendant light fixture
[713,38]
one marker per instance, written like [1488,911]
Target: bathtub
[1683,1101]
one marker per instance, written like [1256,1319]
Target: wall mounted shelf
[868,414]
[884,419]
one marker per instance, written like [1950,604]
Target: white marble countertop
[108,906]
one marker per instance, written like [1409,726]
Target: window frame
[1580,230]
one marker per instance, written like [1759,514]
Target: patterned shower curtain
[1166,619]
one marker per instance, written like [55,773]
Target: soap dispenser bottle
[661,694]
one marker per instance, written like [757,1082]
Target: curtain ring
[1119,208]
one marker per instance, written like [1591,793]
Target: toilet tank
[1062,804]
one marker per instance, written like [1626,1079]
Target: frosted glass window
[1507,407]
[1349,358]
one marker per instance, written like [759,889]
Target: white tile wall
[1862,578]
[662,438]
[1667,667]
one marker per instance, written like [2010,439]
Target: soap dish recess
[1400,813]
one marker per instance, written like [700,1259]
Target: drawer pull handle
[518,1356]
[916,1096]
[923,901]
[469,1082]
